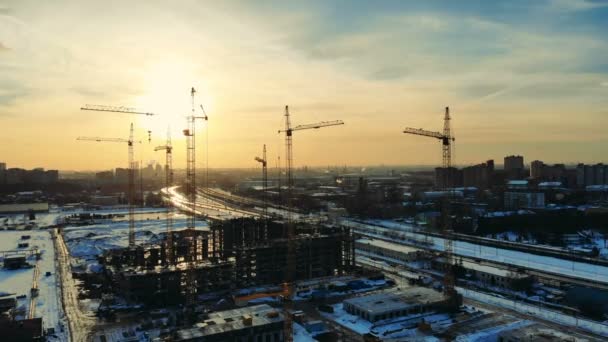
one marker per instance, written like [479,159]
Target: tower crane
[190,133]
[291,262]
[131,190]
[119,109]
[168,148]
[264,163]
[447,140]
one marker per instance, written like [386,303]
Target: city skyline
[520,78]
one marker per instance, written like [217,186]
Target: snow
[48,302]
[491,334]
[300,334]
[87,242]
[537,310]
[538,262]
[399,327]
[352,322]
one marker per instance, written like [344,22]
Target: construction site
[233,254]
[279,260]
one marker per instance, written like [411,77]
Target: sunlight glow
[166,96]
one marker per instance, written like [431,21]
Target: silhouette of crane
[447,140]
[168,148]
[264,163]
[291,263]
[190,233]
[131,189]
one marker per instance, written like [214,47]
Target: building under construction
[230,254]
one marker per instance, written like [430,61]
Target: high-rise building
[542,171]
[2,173]
[104,177]
[536,169]
[479,176]
[524,199]
[447,177]
[591,174]
[514,167]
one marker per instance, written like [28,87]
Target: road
[211,208]
[34,291]
[80,324]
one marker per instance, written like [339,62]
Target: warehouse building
[388,250]
[381,306]
[255,323]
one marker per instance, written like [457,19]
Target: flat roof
[23,207]
[387,245]
[392,301]
[501,272]
[230,320]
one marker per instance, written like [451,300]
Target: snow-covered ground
[491,334]
[87,242]
[19,282]
[301,335]
[536,310]
[538,262]
[401,327]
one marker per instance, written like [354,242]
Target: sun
[167,93]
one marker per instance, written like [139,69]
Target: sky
[520,77]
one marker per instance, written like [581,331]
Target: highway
[80,324]
[208,206]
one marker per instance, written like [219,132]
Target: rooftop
[230,320]
[384,302]
[387,245]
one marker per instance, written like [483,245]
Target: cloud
[3,47]
[576,5]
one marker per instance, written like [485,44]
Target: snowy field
[401,327]
[18,282]
[85,243]
[537,311]
[538,262]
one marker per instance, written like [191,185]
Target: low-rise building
[388,250]
[255,323]
[15,262]
[383,306]
[485,274]
[22,208]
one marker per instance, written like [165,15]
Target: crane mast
[131,171]
[190,133]
[447,140]
[264,163]
[168,148]
[131,188]
[290,273]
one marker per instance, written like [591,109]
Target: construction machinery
[190,134]
[131,168]
[288,286]
[119,109]
[168,148]
[264,163]
[447,140]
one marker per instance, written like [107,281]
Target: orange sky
[516,85]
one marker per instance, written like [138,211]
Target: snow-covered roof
[388,245]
